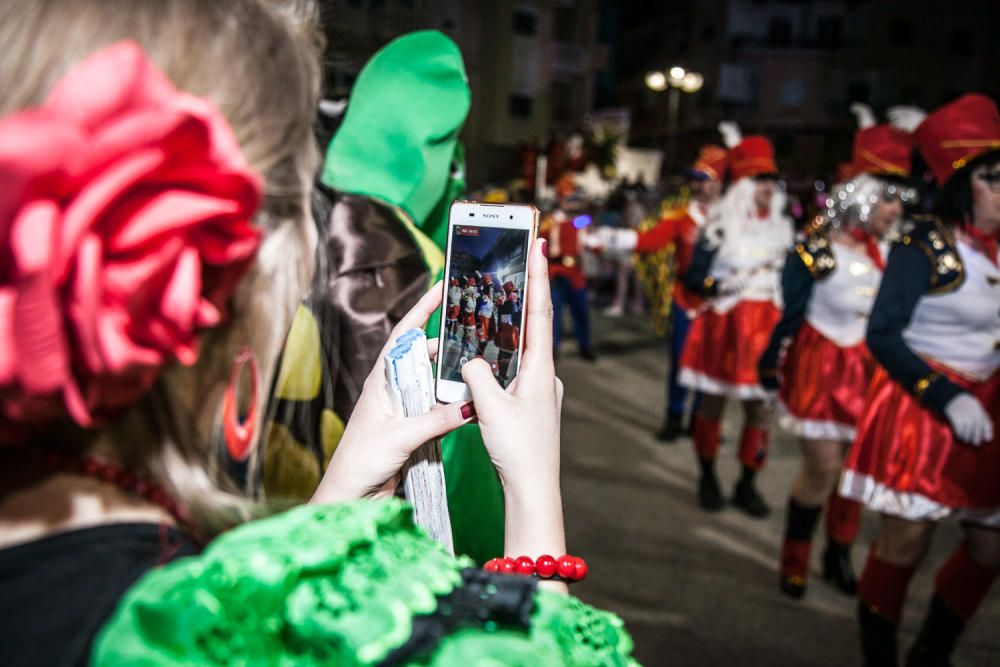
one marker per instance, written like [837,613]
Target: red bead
[581,569]
[525,566]
[508,565]
[492,565]
[545,566]
[566,567]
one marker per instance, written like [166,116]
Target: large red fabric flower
[125,224]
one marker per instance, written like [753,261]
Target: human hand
[520,426]
[969,421]
[377,442]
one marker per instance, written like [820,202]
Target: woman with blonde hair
[157,157]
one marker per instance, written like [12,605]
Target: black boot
[671,428]
[937,637]
[878,638]
[747,498]
[838,570]
[709,492]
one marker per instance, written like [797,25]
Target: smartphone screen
[485,278]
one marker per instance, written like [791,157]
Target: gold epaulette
[813,247]
[936,241]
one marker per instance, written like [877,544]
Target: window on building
[525,21]
[962,43]
[779,32]
[562,101]
[521,106]
[859,91]
[829,31]
[792,93]
[901,32]
[738,85]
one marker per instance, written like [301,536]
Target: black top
[796,290]
[906,279]
[59,591]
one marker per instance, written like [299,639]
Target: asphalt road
[697,588]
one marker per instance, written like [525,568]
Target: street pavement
[696,588]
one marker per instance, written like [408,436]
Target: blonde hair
[258,62]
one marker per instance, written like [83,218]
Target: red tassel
[240,435]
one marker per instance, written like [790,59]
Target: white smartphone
[486,272]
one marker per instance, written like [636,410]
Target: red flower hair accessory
[125,225]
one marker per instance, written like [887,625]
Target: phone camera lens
[471,214]
[511,217]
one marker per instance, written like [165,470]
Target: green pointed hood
[401,127]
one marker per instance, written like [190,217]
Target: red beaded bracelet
[567,568]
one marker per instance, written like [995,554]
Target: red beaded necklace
[112,473]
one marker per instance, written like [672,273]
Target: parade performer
[467,318]
[678,228]
[509,329]
[454,306]
[569,284]
[829,284]
[486,316]
[926,446]
[737,266]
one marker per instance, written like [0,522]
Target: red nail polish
[542,246]
[468,410]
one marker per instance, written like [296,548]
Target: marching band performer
[564,244]
[679,228]
[485,312]
[509,329]
[454,307]
[829,284]
[737,265]
[926,445]
[470,298]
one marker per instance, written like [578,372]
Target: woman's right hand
[969,420]
[520,426]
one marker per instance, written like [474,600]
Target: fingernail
[541,246]
[468,410]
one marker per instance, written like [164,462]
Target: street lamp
[674,79]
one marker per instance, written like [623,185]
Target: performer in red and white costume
[467,318]
[508,330]
[737,266]
[485,315]
[817,354]
[679,228]
[454,306]
[926,445]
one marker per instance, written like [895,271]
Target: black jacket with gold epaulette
[936,241]
[814,249]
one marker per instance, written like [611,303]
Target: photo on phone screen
[483,309]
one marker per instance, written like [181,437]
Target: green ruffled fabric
[332,585]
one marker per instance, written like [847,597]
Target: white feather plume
[906,118]
[730,131]
[864,114]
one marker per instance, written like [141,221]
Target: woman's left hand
[377,442]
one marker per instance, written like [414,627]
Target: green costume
[391,172]
[351,584]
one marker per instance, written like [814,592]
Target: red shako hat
[958,133]
[881,150]
[711,161]
[753,156]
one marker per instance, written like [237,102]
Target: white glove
[969,421]
[611,241]
[732,286]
